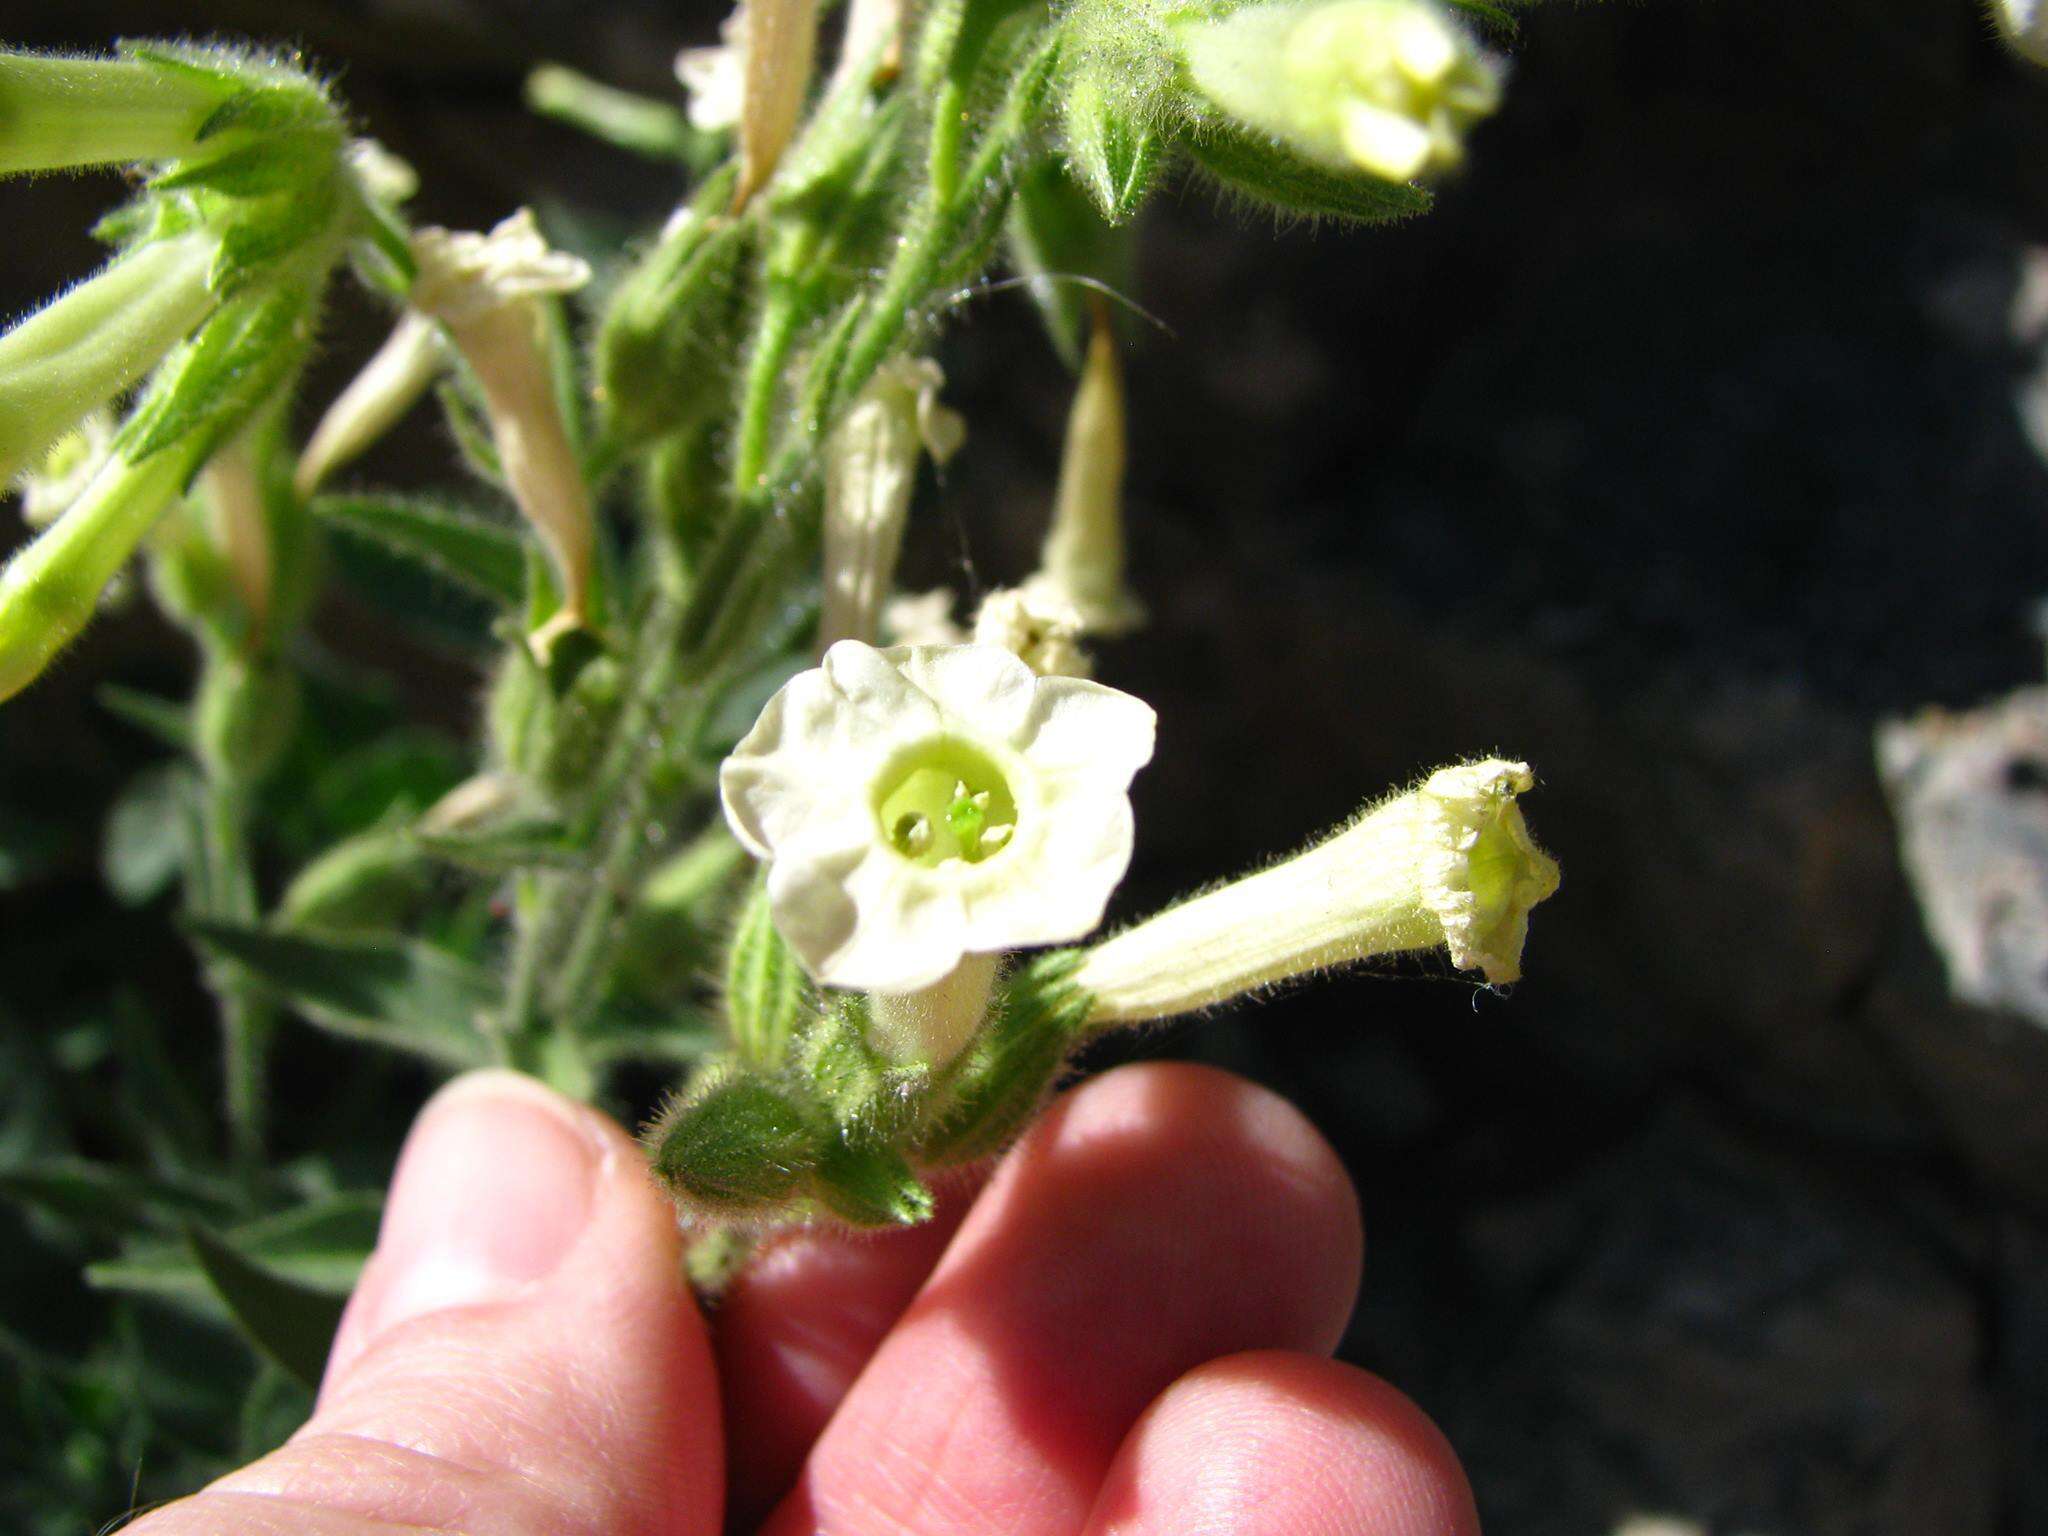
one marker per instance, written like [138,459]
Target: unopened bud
[1450,863]
[779,50]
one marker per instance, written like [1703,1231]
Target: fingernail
[493,1188]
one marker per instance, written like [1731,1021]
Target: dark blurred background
[1677,450]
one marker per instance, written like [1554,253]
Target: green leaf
[1268,173]
[149,833]
[321,1245]
[392,992]
[106,1198]
[292,1325]
[487,557]
[767,995]
[169,722]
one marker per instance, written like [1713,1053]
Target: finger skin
[1156,1218]
[798,1326]
[1279,1444]
[580,1402]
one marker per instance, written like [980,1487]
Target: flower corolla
[921,804]
[1384,86]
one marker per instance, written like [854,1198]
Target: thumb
[521,1355]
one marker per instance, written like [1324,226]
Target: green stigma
[944,799]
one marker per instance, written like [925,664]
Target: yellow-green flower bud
[244,717]
[1389,87]
[1450,863]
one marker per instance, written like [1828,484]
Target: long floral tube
[85,347]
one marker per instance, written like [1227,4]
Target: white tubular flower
[1041,628]
[870,471]
[1081,569]
[2024,24]
[389,385]
[715,77]
[485,289]
[1450,863]
[921,804]
[1385,86]
[66,468]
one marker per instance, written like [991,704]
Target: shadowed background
[1675,451]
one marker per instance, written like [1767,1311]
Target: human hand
[1126,1331]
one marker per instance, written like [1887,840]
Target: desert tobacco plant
[717,739]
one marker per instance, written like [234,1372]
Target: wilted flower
[1385,86]
[485,289]
[1450,863]
[716,76]
[921,804]
[870,471]
[1036,624]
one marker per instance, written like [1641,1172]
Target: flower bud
[2024,24]
[1388,87]
[411,358]
[244,717]
[81,350]
[241,527]
[1450,863]
[1081,568]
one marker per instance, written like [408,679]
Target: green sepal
[1063,248]
[487,557]
[1273,176]
[767,995]
[1114,150]
[211,385]
[984,1098]
[392,992]
[868,1184]
[249,170]
[869,1096]
[736,1146]
[672,329]
[290,1324]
